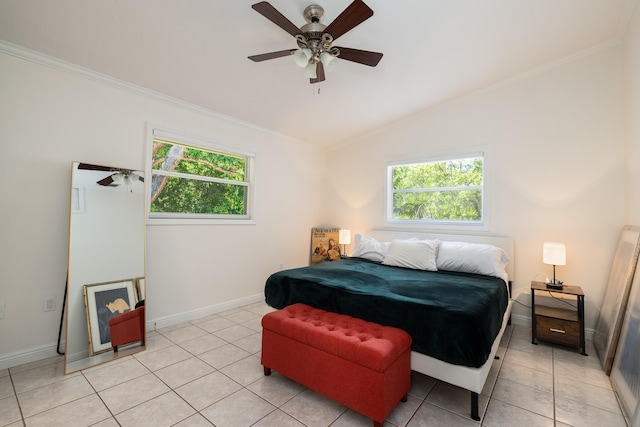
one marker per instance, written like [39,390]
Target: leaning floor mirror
[105,303]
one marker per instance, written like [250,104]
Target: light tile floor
[207,372]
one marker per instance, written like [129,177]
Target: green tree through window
[439,191]
[190,180]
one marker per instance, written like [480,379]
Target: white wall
[632,117]
[554,167]
[50,118]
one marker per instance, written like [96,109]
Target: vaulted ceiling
[196,51]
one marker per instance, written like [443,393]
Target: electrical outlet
[50,304]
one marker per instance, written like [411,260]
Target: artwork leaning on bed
[324,245]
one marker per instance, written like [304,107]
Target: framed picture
[324,245]
[607,332]
[104,301]
[141,288]
[625,373]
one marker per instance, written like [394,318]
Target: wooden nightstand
[558,325]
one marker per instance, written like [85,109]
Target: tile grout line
[482,419]
[242,387]
[99,397]
[15,393]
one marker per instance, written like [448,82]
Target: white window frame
[467,225]
[164,218]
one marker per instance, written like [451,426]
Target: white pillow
[476,258]
[369,248]
[416,254]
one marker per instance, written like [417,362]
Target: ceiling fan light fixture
[118,178]
[328,61]
[315,51]
[302,56]
[129,180]
[310,71]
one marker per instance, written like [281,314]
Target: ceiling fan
[315,40]
[119,176]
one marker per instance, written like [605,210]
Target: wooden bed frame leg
[267,371]
[404,398]
[474,406]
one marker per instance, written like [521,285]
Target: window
[189,181]
[443,191]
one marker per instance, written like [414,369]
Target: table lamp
[554,254]
[344,238]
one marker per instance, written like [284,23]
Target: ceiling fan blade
[319,74]
[265,9]
[91,167]
[271,55]
[355,14]
[106,181]
[360,56]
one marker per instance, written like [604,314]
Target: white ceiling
[196,51]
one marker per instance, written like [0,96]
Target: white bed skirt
[472,379]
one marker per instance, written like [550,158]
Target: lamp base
[551,285]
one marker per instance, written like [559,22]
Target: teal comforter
[451,316]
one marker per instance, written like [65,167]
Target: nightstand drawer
[556,330]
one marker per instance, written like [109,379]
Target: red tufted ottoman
[363,365]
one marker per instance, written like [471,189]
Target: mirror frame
[108,245]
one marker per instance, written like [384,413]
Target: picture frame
[607,332]
[324,245]
[625,372]
[104,301]
[141,288]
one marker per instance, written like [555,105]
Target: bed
[418,282]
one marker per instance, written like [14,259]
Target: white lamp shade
[310,71]
[344,237]
[554,253]
[301,57]
[328,61]
[118,178]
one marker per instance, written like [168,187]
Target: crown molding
[87,73]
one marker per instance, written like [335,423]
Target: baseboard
[176,319]
[50,350]
[31,355]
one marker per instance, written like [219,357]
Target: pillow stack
[432,255]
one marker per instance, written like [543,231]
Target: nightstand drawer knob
[560,331]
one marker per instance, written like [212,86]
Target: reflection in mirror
[106,260]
